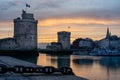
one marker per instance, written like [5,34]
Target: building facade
[110,41]
[63,42]
[25,34]
[25,31]
[8,44]
[80,43]
[54,46]
[64,39]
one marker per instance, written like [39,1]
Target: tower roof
[63,32]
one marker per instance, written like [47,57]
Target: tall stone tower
[25,31]
[64,39]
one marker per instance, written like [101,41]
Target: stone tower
[64,39]
[25,31]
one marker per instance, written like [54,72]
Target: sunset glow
[55,22]
[86,18]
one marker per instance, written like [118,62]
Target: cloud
[94,9]
[62,9]
[47,4]
[78,21]
[5,5]
[9,9]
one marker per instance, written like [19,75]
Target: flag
[27,5]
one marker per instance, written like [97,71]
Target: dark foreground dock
[19,52]
[9,61]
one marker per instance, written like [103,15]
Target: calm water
[90,67]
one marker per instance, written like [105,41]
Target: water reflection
[57,61]
[83,61]
[29,58]
[63,61]
[90,67]
[112,67]
[110,62]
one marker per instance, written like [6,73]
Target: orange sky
[86,18]
[80,28]
[55,22]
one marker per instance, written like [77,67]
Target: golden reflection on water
[93,68]
[46,60]
[87,69]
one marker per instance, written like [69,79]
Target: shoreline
[10,61]
[19,52]
[56,52]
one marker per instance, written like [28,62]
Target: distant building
[8,44]
[104,43]
[80,43]
[25,34]
[54,46]
[63,42]
[110,41]
[86,43]
[64,39]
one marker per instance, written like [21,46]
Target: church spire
[108,34]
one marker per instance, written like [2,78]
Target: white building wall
[104,43]
[84,43]
[114,44]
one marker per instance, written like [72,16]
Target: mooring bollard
[66,71]
[49,69]
[28,69]
[18,69]
[38,70]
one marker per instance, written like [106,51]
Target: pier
[10,62]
